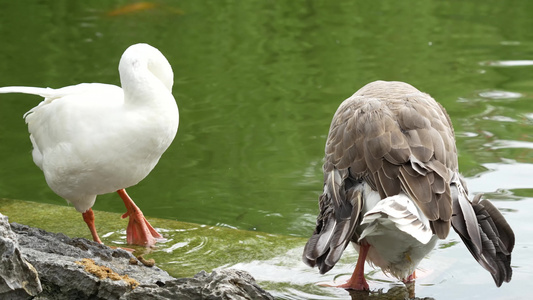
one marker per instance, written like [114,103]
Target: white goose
[91,139]
[392,187]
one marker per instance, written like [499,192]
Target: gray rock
[59,261]
[18,278]
[223,284]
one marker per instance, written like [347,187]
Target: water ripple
[509,175]
[504,144]
[500,95]
[507,63]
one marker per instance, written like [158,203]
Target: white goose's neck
[145,75]
[140,86]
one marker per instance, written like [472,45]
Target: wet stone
[18,278]
[81,269]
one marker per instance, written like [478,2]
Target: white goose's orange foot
[139,231]
[88,217]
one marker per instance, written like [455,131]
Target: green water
[257,83]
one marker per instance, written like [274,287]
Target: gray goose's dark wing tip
[307,258]
[497,240]
[505,231]
[500,233]
[335,226]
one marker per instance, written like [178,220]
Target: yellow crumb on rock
[133,261]
[149,263]
[104,272]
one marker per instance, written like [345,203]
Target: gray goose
[392,188]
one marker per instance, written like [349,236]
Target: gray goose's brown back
[397,138]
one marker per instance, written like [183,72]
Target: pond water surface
[257,83]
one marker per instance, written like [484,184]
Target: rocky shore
[36,264]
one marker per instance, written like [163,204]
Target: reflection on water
[500,95]
[257,92]
[507,63]
[517,177]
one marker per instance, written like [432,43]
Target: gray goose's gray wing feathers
[394,138]
[340,206]
[496,236]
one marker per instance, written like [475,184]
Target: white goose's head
[138,59]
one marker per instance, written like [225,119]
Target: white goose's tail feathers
[491,241]
[43,92]
[50,94]
[335,225]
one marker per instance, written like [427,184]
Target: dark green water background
[257,83]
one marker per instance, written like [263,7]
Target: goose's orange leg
[357,281]
[139,231]
[88,217]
